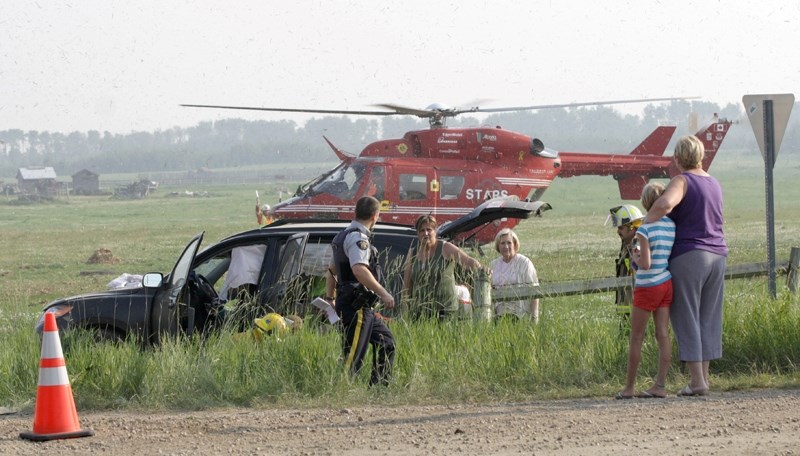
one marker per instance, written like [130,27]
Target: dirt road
[754,422]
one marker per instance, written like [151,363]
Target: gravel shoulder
[764,422]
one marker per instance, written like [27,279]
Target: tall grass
[572,352]
[577,349]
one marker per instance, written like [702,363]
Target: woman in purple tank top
[693,200]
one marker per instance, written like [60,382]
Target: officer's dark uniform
[354,304]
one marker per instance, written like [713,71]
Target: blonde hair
[689,152]
[650,194]
[506,232]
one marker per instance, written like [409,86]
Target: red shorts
[651,298]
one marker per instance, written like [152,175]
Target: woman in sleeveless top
[693,200]
[429,275]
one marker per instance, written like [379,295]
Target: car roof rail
[287,221]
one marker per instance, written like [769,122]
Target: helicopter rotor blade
[473,106]
[575,105]
[316,111]
[406,110]
[436,110]
[430,111]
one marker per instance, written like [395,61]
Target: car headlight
[57,310]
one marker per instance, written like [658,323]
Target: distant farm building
[85,182]
[38,181]
[138,189]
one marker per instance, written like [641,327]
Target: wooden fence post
[482,296]
[793,278]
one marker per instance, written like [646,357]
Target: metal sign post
[769,164]
[769,115]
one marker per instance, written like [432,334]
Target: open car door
[169,309]
[463,229]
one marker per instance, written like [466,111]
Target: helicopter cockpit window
[413,187]
[343,183]
[450,187]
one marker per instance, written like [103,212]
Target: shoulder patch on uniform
[363,245]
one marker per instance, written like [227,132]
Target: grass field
[575,350]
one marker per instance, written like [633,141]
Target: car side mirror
[152,280]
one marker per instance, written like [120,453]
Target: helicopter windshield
[342,183]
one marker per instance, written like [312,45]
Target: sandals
[688,391]
[685,392]
[649,395]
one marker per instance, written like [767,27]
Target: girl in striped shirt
[652,295]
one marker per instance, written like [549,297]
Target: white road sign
[781,108]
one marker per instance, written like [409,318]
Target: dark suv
[277,268]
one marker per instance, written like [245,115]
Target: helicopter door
[418,189]
[414,186]
[450,186]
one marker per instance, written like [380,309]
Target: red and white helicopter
[446,172]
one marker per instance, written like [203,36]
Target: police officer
[626,219]
[357,290]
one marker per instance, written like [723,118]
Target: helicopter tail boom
[645,160]
[633,171]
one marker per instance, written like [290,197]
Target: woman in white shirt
[513,269]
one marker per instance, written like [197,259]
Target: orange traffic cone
[55,416]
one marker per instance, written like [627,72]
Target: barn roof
[84,173]
[46,172]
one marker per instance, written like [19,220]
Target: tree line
[236,142]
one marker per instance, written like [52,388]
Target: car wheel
[106,334]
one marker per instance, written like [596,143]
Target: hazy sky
[125,66]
